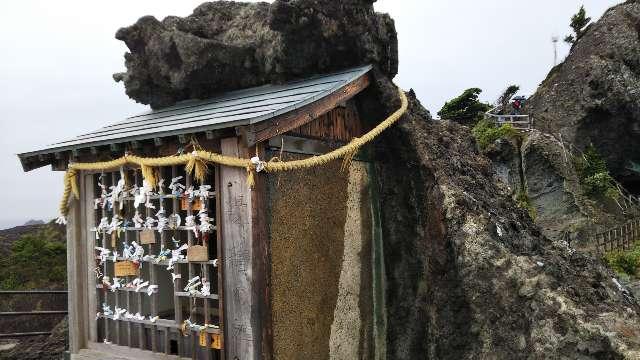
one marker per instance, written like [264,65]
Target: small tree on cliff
[465,109]
[594,174]
[578,23]
[503,100]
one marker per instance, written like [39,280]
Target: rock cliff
[539,171]
[594,95]
[469,274]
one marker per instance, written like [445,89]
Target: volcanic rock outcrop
[227,45]
[594,95]
[539,172]
[468,274]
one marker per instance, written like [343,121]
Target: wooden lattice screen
[176,321]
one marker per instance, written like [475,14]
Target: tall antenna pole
[554,40]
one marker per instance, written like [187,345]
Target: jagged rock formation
[227,45]
[468,273]
[470,276]
[539,169]
[594,96]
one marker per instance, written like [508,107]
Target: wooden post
[76,271]
[177,284]
[90,240]
[116,294]
[191,271]
[221,260]
[245,250]
[153,300]
[626,236]
[261,262]
[103,236]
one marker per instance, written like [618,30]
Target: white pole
[554,40]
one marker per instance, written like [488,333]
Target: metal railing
[519,122]
[30,313]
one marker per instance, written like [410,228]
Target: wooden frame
[83,299]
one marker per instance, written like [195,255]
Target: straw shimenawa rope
[196,162]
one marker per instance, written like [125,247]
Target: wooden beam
[76,276]
[278,125]
[261,260]
[247,317]
[221,260]
[90,242]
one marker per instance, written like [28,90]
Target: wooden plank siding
[340,124]
[279,125]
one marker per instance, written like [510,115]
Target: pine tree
[579,22]
[466,108]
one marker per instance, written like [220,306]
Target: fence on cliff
[621,237]
[519,122]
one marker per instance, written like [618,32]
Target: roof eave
[49,156]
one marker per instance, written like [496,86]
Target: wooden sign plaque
[147,236]
[215,340]
[196,205]
[125,268]
[197,253]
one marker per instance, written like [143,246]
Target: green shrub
[466,108]
[625,262]
[37,260]
[594,175]
[486,132]
[523,201]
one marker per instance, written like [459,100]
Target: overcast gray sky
[58,57]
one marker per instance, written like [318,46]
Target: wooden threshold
[115,352]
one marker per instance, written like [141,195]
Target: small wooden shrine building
[288,269]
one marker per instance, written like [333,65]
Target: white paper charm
[137,220]
[176,188]
[151,289]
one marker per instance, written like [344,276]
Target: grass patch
[523,201]
[486,132]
